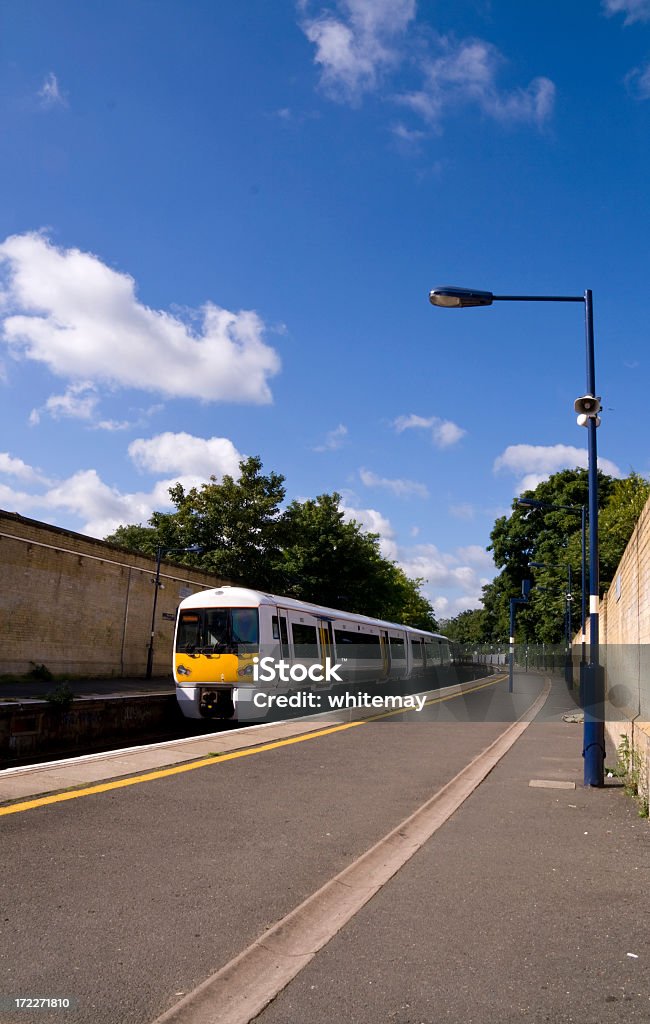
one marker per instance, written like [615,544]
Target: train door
[326,640]
[384,643]
[281,633]
[304,647]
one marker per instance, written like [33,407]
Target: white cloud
[444,433]
[50,93]
[466,73]
[334,439]
[538,462]
[373,521]
[401,488]
[112,425]
[447,608]
[359,41]
[82,319]
[188,460]
[407,422]
[634,10]
[638,82]
[410,136]
[184,453]
[10,466]
[450,578]
[478,556]
[353,49]
[78,402]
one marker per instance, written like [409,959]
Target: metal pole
[594,726]
[513,605]
[569,605]
[153,613]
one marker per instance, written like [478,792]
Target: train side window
[305,641]
[416,648]
[397,649]
[276,630]
[431,653]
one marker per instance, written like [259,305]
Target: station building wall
[82,607]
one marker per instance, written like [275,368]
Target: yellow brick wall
[625,634]
[82,607]
[625,612]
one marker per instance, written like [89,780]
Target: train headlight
[183,671]
[248,671]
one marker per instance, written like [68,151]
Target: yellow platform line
[190,766]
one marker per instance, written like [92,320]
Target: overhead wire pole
[587,407]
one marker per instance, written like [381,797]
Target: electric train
[232,643]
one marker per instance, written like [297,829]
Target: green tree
[467,627]
[236,522]
[332,561]
[617,521]
[554,538]
[309,551]
[143,539]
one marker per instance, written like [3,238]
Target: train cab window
[216,627]
[276,628]
[245,626]
[189,625]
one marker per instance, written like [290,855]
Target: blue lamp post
[195,549]
[587,406]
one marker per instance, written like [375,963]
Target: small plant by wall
[628,768]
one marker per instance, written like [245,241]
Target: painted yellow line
[162,773]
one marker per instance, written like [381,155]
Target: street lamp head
[537,565]
[450,297]
[194,549]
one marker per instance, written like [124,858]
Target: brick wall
[82,607]
[625,650]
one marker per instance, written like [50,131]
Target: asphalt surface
[125,900]
[530,904]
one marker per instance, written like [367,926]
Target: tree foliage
[553,537]
[467,627]
[308,550]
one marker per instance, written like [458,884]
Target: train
[234,647]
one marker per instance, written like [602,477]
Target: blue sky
[221,223]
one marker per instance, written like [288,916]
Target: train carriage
[233,643]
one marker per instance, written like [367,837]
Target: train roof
[244,597]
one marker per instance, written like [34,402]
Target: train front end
[214,646]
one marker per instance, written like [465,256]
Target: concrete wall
[34,730]
[82,607]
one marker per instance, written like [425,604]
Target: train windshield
[218,631]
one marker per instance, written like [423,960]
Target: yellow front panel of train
[215,668]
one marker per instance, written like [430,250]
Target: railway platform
[37,689]
[449,870]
